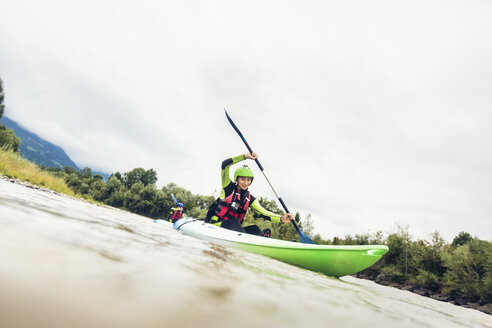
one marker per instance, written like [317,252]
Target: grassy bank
[13,165]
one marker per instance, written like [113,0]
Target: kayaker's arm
[265,214]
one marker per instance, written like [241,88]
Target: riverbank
[14,166]
[381,279]
[32,186]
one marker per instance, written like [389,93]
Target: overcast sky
[366,114]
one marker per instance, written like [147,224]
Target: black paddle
[302,237]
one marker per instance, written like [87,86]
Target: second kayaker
[176,213]
[229,209]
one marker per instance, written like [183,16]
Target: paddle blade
[305,239]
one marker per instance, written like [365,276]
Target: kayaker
[176,213]
[229,209]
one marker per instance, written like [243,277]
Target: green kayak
[336,261]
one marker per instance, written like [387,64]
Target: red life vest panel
[233,206]
[176,216]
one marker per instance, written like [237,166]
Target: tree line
[8,139]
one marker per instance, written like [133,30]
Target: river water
[68,263]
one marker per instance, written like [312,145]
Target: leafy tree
[96,186]
[398,244]
[362,239]
[135,200]
[117,175]
[377,238]
[432,259]
[98,177]
[486,293]
[284,231]
[427,280]
[113,185]
[117,198]
[8,139]
[308,226]
[86,173]
[461,239]
[397,260]
[318,240]
[83,188]
[337,241]
[69,170]
[147,177]
[348,240]
[466,269]
[297,217]
[159,211]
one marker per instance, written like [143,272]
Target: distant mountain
[40,151]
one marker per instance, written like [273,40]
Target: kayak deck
[336,261]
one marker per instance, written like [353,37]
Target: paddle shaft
[175,199]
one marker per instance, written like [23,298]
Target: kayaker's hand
[287,218]
[252,156]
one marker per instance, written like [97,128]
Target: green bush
[8,139]
[486,293]
[428,280]
[393,273]
[467,268]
